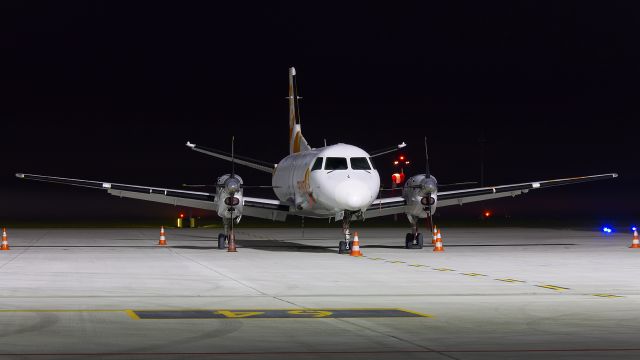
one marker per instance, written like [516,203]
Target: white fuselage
[342,179]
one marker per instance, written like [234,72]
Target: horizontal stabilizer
[241,160]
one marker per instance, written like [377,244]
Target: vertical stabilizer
[297,142]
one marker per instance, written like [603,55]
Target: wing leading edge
[395,205]
[459,197]
[195,199]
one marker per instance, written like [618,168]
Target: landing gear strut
[344,246]
[414,239]
[227,240]
[224,237]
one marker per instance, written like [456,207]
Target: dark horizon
[112,92]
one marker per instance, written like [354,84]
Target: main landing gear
[414,239]
[227,240]
[344,246]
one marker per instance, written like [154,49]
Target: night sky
[113,90]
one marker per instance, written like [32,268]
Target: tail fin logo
[297,142]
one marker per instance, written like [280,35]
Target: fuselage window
[360,163]
[317,165]
[335,163]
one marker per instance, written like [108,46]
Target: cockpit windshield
[335,163]
[317,165]
[360,163]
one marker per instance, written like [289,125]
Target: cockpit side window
[360,163]
[373,166]
[335,163]
[317,165]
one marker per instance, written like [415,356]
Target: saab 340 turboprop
[336,181]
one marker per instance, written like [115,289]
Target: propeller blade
[233,163]
[426,156]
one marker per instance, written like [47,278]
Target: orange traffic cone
[438,246]
[435,235]
[355,247]
[635,243]
[163,240]
[5,242]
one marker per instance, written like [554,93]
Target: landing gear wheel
[419,241]
[408,241]
[222,240]
[342,247]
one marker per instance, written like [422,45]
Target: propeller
[430,185]
[427,186]
[232,186]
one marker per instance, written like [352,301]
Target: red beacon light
[181,216]
[487,214]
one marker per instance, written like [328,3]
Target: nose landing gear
[344,246]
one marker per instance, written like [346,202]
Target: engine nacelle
[229,196]
[420,192]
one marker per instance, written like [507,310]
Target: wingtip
[292,71]
[615,175]
[20,175]
[191,145]
[400,146]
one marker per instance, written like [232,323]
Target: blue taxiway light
[634,228]
[607,230]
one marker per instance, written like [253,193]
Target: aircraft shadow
[286,246]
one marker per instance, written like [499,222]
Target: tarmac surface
[499,293]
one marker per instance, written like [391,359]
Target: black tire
[342,247]
[408,241]
[222,239]
[419,241]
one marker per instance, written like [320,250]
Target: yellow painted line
[443,269]
[397,262]
[608,295]
[418,265]
[553,287]
[417,313]
[511,280]
[377,258]
[132,314]
[473,274]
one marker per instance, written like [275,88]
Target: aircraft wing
[396,205]
[194,199]
[386,206]
[265,208]
[459,197]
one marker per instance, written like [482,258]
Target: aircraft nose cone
[352,195]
